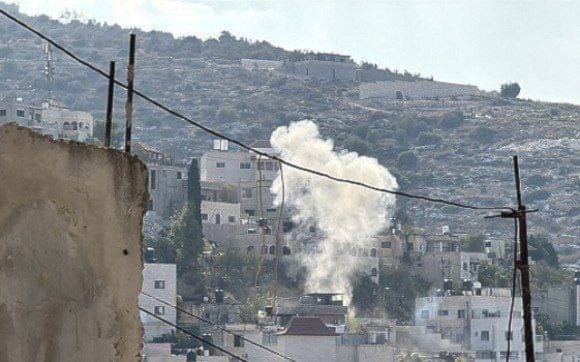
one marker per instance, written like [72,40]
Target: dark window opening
[160,284]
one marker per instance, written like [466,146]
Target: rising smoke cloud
[347,216]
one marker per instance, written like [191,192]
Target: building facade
[160,281]
[50,118]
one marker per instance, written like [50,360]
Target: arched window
[374,272]
[250,250]
[66,125]
[264,249]
[374,252]
[286,250]
[80,125]
[272,250]
[74,125]
[218,219]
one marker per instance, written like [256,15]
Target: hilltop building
[50,118]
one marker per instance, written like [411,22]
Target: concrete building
[236,186]
[325,70]
[160,281]
[50,118]
[419,89]
[326,306]
[168,181]
[261,64]
[561,303]
[479,323]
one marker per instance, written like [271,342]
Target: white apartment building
[50,118]
[479,323]
[160,281]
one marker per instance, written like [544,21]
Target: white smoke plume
[347,216]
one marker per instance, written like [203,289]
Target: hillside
[462,145]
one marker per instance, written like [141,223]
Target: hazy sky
[536,43]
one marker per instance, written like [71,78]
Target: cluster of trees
[510,90]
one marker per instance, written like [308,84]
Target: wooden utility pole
[524,268]
[110,98]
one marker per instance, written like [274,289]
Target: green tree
[510,90]
[474,243]
[186,233]
[491,275]
[543,250]
[364,294]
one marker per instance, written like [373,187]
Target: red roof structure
[307,326]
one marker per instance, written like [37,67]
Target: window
[204,216]
[252,231]
[442,312]
[271,210]
[179,175]
[218,219]
[509,335]
[238,341]
[286,250]
[374,272]
[460,313]
[485,354]
[245,166]
[159,310]
[160,284]
[220,165]
[272,250]
[250,212]
[231,219]
[247,193]
[2,113]
[250,250]
[152,179]
[464,266]
[424,314]
[20,113]
[373,252]
[150,205]
[485,336]
[36,117]
[386,245]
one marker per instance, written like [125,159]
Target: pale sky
[485,43]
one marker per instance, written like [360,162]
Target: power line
[241,144]
[193,335]
[218,326]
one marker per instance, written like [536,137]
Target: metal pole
[109,119]
[129,104]
[524,268]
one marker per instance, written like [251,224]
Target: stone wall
[70,250]
[416,90]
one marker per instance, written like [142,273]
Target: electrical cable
[192,335]
[217,326]
[241,144]
[514,277]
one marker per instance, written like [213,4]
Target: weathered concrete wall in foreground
[70,250]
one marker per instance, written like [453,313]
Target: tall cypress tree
[186,230]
